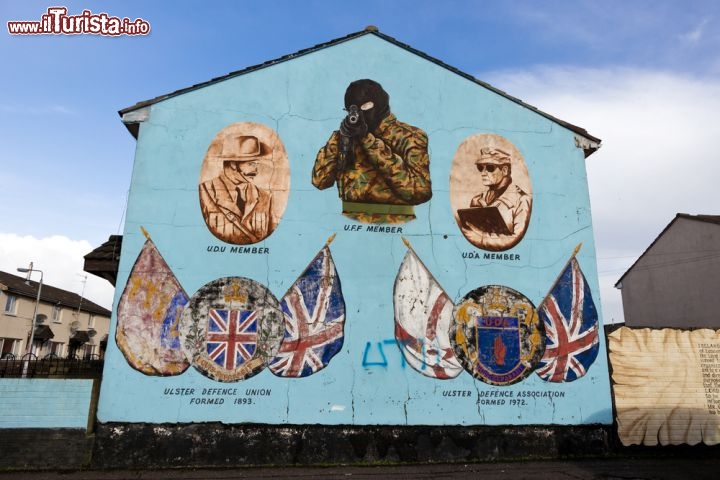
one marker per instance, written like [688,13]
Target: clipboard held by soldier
[486,219]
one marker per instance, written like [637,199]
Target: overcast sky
[644,76]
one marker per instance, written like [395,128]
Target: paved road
[606,469]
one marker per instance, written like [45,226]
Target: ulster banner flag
[423,313]
[314,311]
[571,327]
[148,314]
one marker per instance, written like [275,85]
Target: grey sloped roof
[699,218]
[133,126]
[49,294]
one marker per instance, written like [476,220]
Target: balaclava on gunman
[370,98]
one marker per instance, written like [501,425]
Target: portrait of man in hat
[235,209]
[379,164]
[498,216]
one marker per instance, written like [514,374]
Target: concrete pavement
[613,468]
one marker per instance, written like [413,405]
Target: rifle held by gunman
[346,144]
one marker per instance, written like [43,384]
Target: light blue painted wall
[44,403]
[302,100]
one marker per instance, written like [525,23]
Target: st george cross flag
[423,313]
[571,328]
[231,337]
[314,311]
[148,314]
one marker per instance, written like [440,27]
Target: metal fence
[51,366]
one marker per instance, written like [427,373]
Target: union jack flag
[314,311]
[571,328]
[231,337]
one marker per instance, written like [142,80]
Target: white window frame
[89,350]
[91,320]
[57,313]
[57,348]
[11,301]
[15,346]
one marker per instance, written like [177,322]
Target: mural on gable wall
[381,165]
[446,329]
[490,192]
[244,183]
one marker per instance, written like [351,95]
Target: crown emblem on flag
[233,293]
[498,300]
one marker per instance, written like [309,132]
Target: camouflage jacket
[391,167]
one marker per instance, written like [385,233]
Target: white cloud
[61,261]
[695,35]
[658,158]
[33,110]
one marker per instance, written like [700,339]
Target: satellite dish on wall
[92,332]
[40,319]
[74,327]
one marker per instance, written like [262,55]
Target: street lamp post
[28,350]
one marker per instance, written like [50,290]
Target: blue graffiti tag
[381,359]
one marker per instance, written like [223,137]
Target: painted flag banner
[148,314]
[423,314]
[314,311]
[571,328]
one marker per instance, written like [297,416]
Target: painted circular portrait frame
[239,206]
[492,210]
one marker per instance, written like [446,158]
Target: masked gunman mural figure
[380,165]
[243,183]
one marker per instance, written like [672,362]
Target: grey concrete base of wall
[214,444]
[45,448]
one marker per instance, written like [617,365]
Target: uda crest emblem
[497,335]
